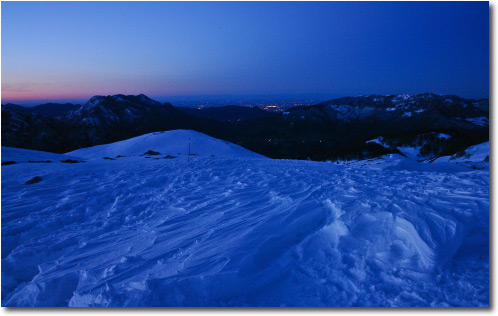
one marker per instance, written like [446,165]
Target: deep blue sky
[73,50]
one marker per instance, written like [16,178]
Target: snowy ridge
[173,143]
[481,121]
[379,140]
[107,119]
[422,147]
[405,107]
[477,153]
[20,155]
[243,232]
[99,100]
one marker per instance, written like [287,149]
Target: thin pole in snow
[188,157]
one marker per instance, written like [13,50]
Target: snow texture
[238,230]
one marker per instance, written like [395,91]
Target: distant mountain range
[332,130]
[55,109]
[230,113]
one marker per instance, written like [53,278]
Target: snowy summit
[177,142]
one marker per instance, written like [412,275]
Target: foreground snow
[244,232]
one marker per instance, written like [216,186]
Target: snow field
[243,232]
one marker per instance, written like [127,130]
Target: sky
[70,51]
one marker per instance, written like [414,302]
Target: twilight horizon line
[71,50]
[251,98]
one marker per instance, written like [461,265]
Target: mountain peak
[96,99]
[13,106]
[99,100]
[174,142]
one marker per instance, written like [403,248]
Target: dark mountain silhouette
[230,113]
[338,125]
[25,129]
[54,109]
[15,106]
[336,129]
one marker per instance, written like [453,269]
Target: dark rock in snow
[70,161]
[33,180]
[151,152]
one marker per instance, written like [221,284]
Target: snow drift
[232,231]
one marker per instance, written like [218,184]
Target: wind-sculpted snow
[243,232]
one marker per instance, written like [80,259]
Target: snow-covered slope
[442,110]
[173,143]
[477,153]
[20,155]
[243,232]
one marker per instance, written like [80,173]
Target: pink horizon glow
[36,93]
